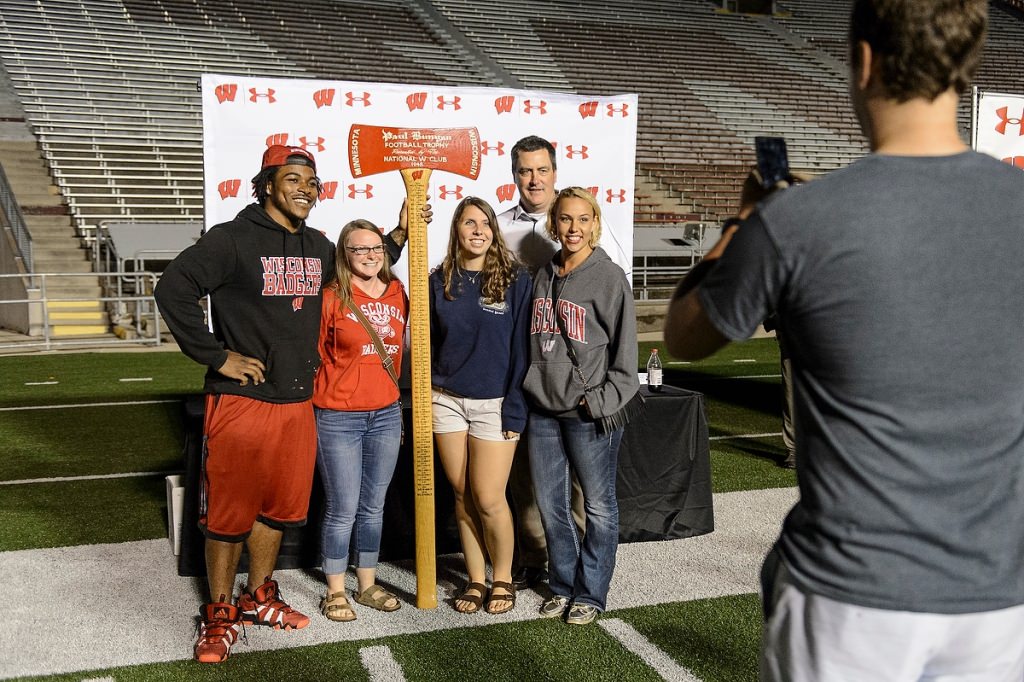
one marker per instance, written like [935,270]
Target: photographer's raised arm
[689,333]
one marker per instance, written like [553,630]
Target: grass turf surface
[716,638]
[110,439]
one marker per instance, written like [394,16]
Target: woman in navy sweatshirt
[479,334]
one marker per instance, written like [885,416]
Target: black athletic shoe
[529,576]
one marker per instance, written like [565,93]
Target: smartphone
[772,161]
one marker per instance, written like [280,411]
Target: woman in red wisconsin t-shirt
[358,415]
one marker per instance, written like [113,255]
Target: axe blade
[377,149]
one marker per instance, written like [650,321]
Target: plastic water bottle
[654,371]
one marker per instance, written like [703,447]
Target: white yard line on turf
[745,360]
[95,477]
[75,405]
[662,663]
[381,665]
[136,585]
[41,383]
[746,435]
[136,379]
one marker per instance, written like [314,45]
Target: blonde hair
[500,265]
[575,193]
[343,283]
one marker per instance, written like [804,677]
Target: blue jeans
[356,456]
[580,572]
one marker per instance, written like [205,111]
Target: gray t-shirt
[899,283]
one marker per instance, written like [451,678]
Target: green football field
[88,438]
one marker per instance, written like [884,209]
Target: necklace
[471,277]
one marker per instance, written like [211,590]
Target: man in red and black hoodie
[264,272]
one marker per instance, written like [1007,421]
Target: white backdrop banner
[594,137]
[999,126]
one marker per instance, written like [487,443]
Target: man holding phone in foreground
[898,284]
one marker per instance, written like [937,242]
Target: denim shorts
[480,417]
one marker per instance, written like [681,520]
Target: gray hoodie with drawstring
[595,308]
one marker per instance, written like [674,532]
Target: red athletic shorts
[258,462]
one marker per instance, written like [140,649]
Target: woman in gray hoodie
[582,387]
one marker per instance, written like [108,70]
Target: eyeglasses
[364,250]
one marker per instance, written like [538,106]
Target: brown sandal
[510,597]
[475,599]
[376,597]
[338,611]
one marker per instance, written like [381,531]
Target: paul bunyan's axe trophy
[416,152]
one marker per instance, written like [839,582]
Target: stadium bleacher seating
[109,88]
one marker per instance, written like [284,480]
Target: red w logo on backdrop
[329,189]
[324,98]
[503,105]
[505,192]
[1017,161]
[229,188]
[277,138]
[226,92]
[588,109]
[416,100]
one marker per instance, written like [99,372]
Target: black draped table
[664,487]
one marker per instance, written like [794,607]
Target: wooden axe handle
[416,183]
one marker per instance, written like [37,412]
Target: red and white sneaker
[264,606]
[217,633]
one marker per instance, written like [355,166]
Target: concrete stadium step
[58,264]
[77,318]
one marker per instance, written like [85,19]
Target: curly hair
[343,281]
[923,47]
[269,175]
[575,193]
[500,264]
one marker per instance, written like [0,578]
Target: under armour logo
[613,194]
[306,143]
[1003,114]
[255,95]
[571,152]
[365,190]
[324,98]
[621,109]
[416,100]
[529,107]
[503,105]
[1017,161]
[454,102]
[229,188]
[226,92]
[488,148]
[444,192]
[351,99]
